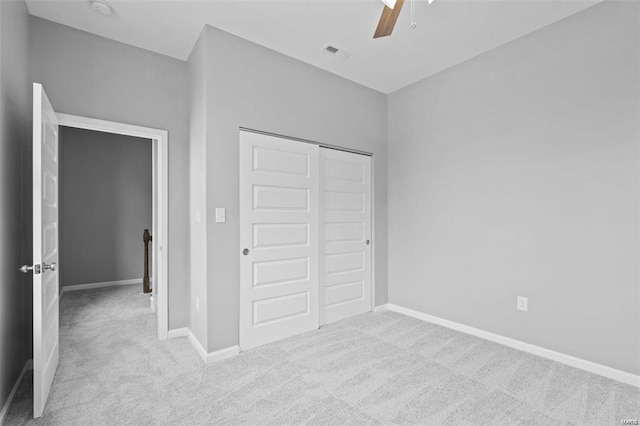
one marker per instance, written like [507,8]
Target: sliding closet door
[345,235]
[278,238]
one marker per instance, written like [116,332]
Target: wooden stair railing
[146,237]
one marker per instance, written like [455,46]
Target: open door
[45,248]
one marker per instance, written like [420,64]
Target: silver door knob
[25,269]
[51,266]
[368,242]
[245,252]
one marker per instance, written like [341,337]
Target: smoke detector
[336,52]
[102,7]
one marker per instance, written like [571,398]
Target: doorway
[45,209]
[159,203]
[105,193]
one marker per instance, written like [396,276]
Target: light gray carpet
[371,369]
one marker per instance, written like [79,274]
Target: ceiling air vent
[336,52]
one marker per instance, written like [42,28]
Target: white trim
[5,408]
[582,364]
[69,120]
[178,332]
[221,354]
[102,284]
[196,344]
[160,202]
[209,357]
[381,308]
[373,237]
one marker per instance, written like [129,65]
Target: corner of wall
[197,192]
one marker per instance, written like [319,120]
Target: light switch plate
[221,215]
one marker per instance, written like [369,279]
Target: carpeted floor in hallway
[381,368]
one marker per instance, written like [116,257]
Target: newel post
[146,237]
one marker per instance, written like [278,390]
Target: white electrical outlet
[523,303]
[197,304]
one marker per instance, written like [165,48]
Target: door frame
[160,204]
[373,197]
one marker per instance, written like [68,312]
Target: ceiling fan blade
[388,20]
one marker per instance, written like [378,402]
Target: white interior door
[278,237]
[45,248]
[345,235]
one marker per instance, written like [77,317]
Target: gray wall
[15,112]
[92,76]
[197,190]
[105,205]
[516,173]
[251,86]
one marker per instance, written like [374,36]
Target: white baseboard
[221,354]
[209,357]
[5,408]
[582,364]
[381,308]
[102,284]
[178,332]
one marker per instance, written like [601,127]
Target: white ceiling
[448,31]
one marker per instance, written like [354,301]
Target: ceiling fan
[390,15]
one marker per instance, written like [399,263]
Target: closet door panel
[279,222]
[345,235]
